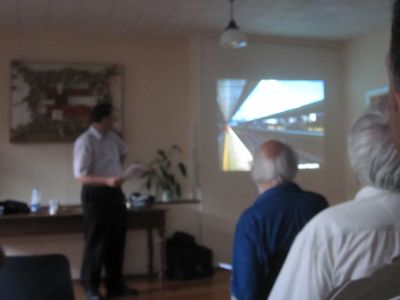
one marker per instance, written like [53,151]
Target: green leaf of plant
[182,168]
[172,179]
[164,172]
[178,190]
[175,148]
[149,183]
[162,154]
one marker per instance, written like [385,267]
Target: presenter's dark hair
[394,52]
[100,111]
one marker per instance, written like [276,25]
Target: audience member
[266,230]
[383,283]
[353,239]
[394,74]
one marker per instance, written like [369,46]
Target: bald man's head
[274,162]
[271,149]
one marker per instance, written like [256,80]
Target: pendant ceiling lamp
[232,37]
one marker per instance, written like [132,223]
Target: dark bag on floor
[185,259]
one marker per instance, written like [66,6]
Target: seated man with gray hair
[350,240]
[266,230]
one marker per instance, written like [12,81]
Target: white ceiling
[330,19]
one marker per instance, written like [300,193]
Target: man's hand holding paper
[135,170]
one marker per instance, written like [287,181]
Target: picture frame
[51,102]
[377,97]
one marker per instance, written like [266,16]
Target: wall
[169,97]
[365,70]
[155,111]
[226,195]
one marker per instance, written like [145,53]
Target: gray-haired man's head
[274,163]
[372,153]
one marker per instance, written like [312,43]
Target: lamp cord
[231,1]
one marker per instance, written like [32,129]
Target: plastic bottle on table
[35,200]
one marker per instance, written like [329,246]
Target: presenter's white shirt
[98,154]
[347,241]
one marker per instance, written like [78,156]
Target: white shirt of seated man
[353,239]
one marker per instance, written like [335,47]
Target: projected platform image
[291,111]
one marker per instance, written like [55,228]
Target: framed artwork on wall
[377,97]
[51,102]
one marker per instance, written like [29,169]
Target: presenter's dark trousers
[104,213]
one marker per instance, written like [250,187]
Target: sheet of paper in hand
[134,170]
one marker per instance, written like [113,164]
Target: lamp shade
[232,37]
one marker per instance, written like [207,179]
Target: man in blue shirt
[266,230]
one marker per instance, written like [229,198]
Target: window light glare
[272,121]
[312,117]
[309,166]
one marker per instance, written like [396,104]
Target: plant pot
[165,196]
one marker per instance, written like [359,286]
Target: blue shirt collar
[283,187]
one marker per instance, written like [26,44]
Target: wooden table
[69,219]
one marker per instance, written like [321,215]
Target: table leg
[161,242]
[150,248]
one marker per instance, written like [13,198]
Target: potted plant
[163,174]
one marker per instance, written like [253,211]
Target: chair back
[36,277]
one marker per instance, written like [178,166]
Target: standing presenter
[97,158]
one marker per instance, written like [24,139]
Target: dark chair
[36,277]
[383,283]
